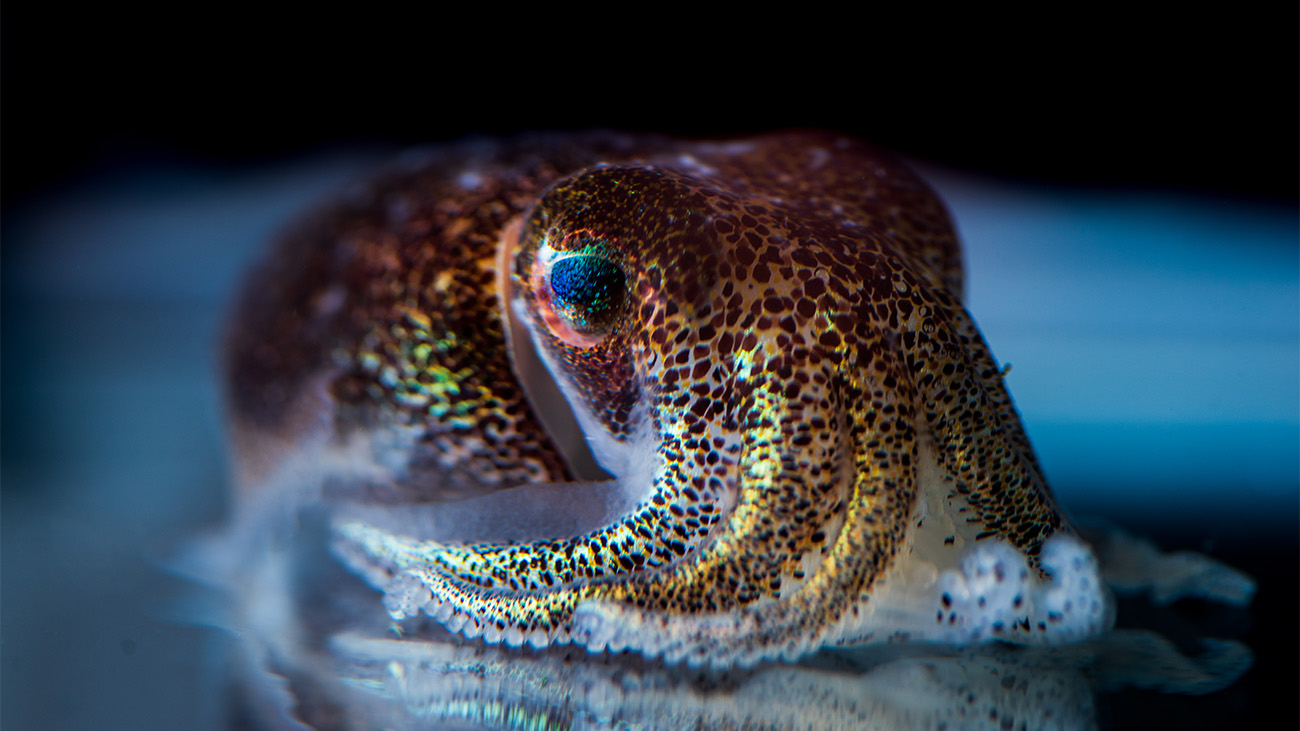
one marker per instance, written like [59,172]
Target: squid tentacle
[816,519]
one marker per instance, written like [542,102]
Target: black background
[1091,95]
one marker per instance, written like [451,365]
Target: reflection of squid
[901,687]
[762,341]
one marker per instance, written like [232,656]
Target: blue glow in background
[1154,339]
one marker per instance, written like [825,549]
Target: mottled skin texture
[790,329]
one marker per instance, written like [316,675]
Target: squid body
[712,402]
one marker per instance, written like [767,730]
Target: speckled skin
[790,331]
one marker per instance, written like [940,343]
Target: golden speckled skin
[790,330]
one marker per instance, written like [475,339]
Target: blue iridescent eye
[587,291]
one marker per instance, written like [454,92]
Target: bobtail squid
[713,402]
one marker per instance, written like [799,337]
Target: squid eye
[587,291]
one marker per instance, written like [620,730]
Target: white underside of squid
[941,586]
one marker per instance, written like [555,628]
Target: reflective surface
[320,651]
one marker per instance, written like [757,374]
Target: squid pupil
[588,290]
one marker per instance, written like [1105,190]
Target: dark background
[1110,96]
[1111,99]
